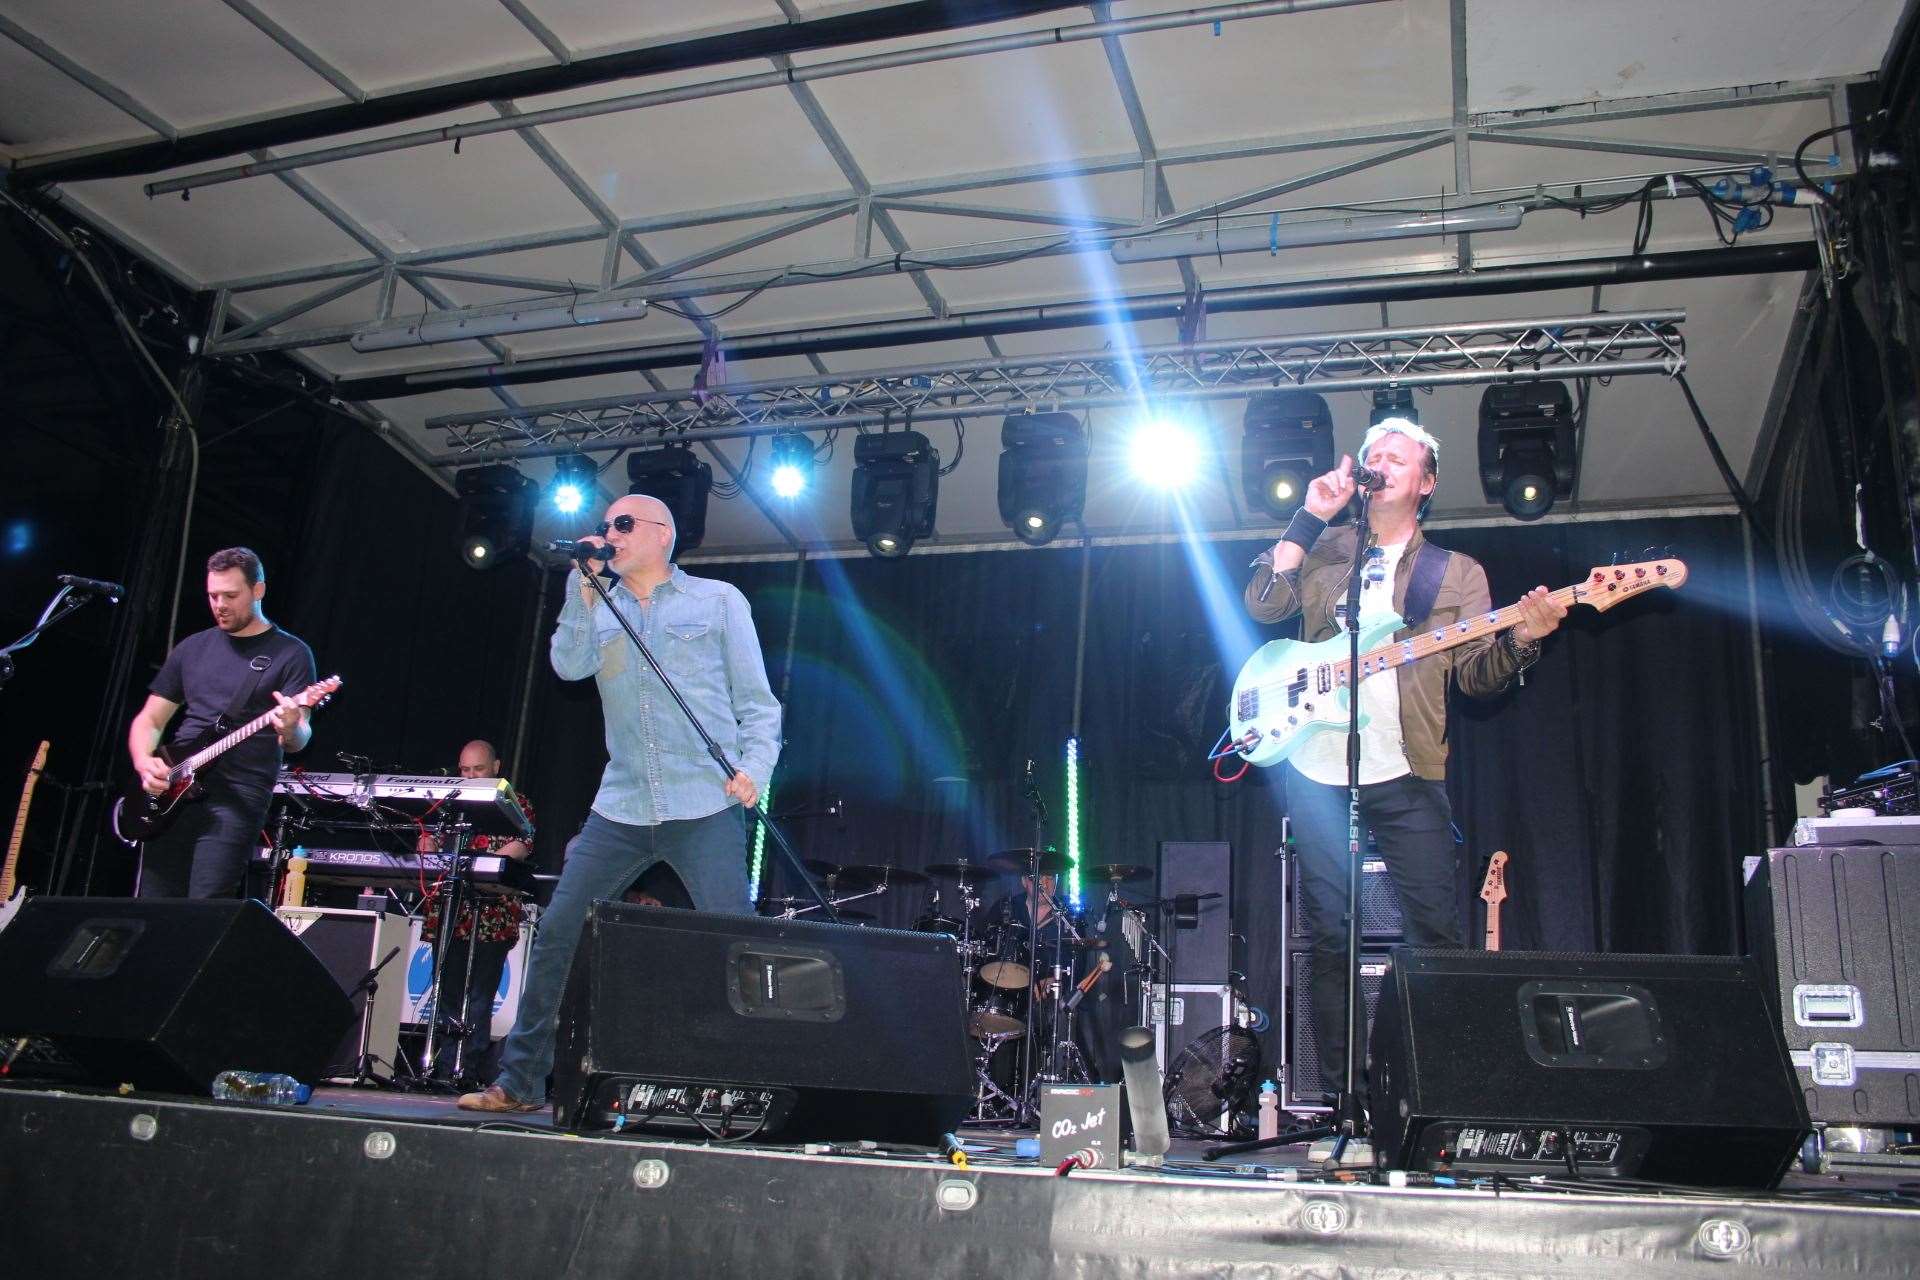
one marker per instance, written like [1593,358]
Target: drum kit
[1031,959]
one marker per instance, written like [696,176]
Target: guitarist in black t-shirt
[241,667]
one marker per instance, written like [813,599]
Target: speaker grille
[1305,1084]
[1379,904]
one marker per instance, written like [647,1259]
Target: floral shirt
[498,916]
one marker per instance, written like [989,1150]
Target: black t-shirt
[210,669]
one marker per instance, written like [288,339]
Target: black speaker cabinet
[739,1026]
[1666,1068]
[1838,928]
[1202,941]
[165,994]
[1379,903]
[1305,1085]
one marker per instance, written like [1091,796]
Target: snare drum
[1006,967]
[1000,1013]
[932,922]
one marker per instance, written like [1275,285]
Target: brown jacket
[1482,668]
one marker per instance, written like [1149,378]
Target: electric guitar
[138,815]
[1493,892]
[1290,690]
[12,896]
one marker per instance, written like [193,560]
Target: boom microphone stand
[584,557]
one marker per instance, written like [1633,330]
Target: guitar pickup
[1295,689]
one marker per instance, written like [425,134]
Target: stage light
[1043,474]
[574,478]
[896,491]
[1527,451]
[1288,441]
[792,463]
[1392,402]
[1165,453]
[673,475]
[496,514]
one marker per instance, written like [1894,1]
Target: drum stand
[1065,1064]
[991,1103]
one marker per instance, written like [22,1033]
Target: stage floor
[391,1183]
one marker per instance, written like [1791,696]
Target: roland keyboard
[488,871]
[488,803]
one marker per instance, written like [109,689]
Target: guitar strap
[235,714]
[1423,587]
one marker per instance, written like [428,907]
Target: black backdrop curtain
[1623,780]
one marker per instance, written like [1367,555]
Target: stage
[387,1183]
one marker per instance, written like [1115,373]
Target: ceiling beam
[86,79]
[910,18]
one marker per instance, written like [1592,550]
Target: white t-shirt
[1383,752]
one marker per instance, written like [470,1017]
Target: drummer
[1032,913]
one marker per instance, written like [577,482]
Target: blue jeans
[709,856]
[1412,823]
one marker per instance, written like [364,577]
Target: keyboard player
[489,923]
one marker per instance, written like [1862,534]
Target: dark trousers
[204,853]
[1412,824]
[489,963]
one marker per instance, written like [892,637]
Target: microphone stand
[713,748]
[1348,1121]
[68,599]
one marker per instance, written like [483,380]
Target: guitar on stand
[12,894]
[1493,892]
[139,815]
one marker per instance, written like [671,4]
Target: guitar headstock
[1608,585]
[317,693]
[1494,888]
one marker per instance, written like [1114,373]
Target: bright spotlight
[1165,453]
[574,477]
[792,463]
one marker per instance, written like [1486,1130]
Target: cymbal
[1119,871]
[1021,861]
[873,874]
[821,867]
[961,871]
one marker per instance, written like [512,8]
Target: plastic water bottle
[1269,1110]
[261,1086]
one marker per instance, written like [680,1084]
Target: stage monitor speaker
[164,994]
[1838,929]
[1379,904]
[1662,1068]
[1202,934]
[1306,1087]
[349,944]
[738,1026]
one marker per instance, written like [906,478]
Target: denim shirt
[702,633]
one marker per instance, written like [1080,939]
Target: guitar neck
[208,754]
[1423,644]
[1491,941]
[11,866]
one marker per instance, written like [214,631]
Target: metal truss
[1584,346]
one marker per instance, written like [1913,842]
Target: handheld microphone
[579,550]
[112,590]
[1369,479]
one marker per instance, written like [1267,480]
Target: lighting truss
[1600,345]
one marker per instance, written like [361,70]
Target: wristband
[1304,529]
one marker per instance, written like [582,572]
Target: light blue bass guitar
[1290,690]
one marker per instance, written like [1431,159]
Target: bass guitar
[140,815]
[1290,690]
[13,895]
[1493,892]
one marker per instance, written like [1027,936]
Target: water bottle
[1269,1110]
[261,1086]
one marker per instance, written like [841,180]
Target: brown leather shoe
[494,1098]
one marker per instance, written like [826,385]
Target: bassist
[1403,743]
[240,667]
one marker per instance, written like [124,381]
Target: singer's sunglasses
[625,524]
